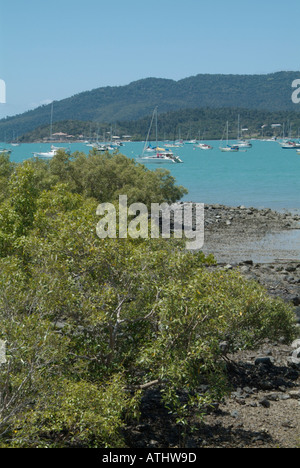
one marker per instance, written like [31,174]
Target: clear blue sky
[52,49]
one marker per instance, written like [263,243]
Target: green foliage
[77,414]
[23,194]
[89,323]
[104,177]
[6,169]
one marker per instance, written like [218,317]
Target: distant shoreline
[79,141]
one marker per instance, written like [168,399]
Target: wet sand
[263,244]
[234,235]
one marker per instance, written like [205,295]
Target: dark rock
[291,268]
[266,385]
[296,300]
[264,360]
[265,403]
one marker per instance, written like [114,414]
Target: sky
[53,49]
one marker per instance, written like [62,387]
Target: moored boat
[160,157]
[228,148]
[50,154]
[204,146]
[244,144]
[289,145]
[5,151]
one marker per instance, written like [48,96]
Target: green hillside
[131,102]
[203,124]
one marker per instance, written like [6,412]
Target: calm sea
[265,176]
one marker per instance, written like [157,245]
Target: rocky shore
[263,244]
[264,407]
[263,410]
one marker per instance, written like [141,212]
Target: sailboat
[242,144]
[161,155]
[15,141]
[202,145]
[290,145]
[228,148]
[50,154]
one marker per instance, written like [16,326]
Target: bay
[264,176]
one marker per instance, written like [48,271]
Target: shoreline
[265,400]
[237,234]
[263,244]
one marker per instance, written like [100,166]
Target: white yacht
[290,145]
[244,144]
[46,154]
[203,146]
[5,151]
[160,157]
[50,154]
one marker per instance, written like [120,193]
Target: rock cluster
[263,219]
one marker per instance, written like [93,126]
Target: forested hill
[270,92]
[206,124]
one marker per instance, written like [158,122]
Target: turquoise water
[265,176]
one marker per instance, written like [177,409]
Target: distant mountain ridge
[271,92]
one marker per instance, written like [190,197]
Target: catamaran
[161,155]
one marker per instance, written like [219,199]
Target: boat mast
[51,121]
[227,133]
[147,139]
[156,125]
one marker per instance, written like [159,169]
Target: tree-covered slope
[110,104]
[204,123]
